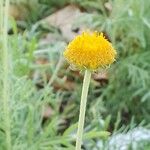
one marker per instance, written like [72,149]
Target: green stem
[6,85]
[1,18]
[85,88]
[55,72]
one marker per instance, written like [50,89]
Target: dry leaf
[64,19]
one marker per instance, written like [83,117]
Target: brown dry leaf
[48,112]
[101,77]
[67,82]
[64,19]
[42,61]
[17,12]
[69,86]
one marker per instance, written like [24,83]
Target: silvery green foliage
[132,139]
[127,25]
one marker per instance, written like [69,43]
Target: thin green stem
[6,85]
[85,88]
[55,71]
[1,18]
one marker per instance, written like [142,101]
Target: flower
[90,51]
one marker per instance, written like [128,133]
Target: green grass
[116,107]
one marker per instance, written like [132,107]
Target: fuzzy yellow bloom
[90,51]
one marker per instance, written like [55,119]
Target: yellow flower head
[90,51]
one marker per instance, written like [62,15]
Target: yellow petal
[90,50]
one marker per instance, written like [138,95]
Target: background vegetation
[45,93]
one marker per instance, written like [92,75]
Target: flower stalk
[5,79]
[89,51]
[85,88]
[1,18]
